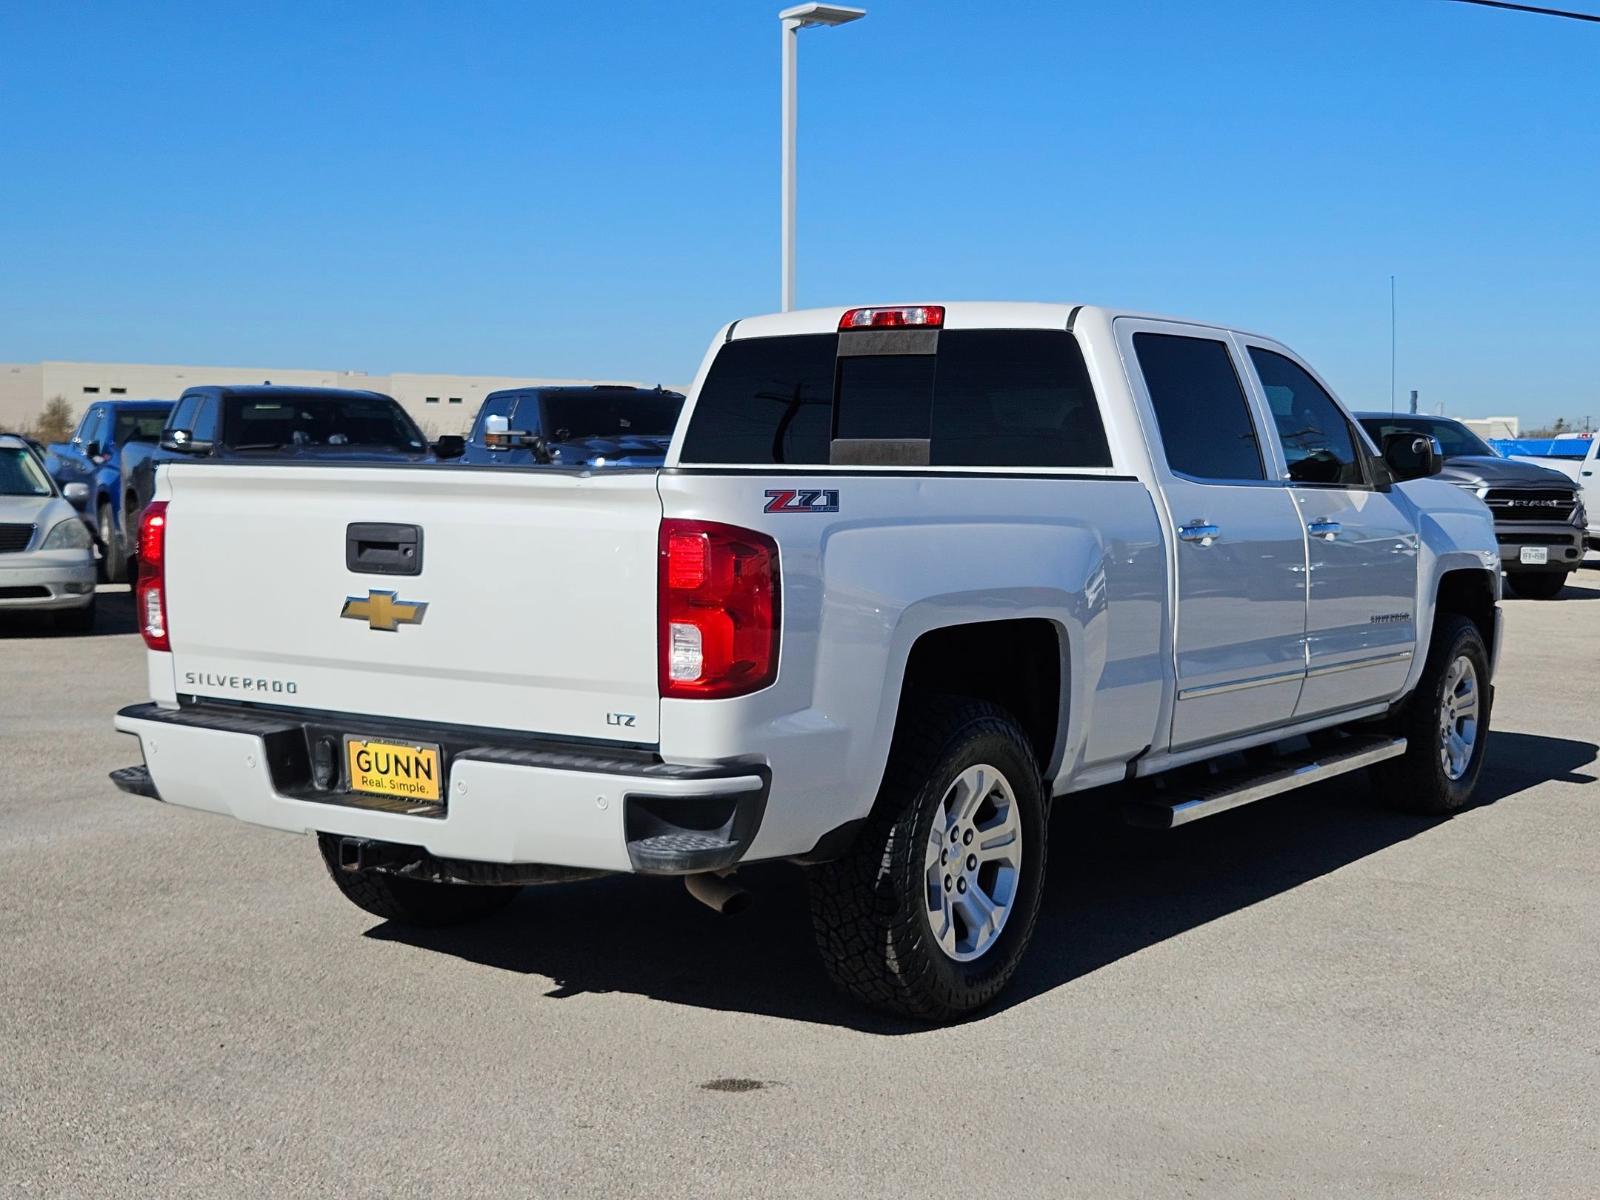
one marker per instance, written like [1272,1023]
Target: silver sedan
[46,551]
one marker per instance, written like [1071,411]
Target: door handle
[1324,528]
[1199,531]
[1588,472]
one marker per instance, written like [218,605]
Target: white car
[1589,485]
[909,577]
[46,551]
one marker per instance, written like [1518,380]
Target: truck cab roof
[958,314]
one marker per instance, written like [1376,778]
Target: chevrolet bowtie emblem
[383,610]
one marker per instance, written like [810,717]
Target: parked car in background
[605,425]
[1539,517]
[88,469]
[255,423]
[1589,485]
[46,551]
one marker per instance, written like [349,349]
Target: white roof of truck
[958,314]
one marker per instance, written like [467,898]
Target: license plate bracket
[399,770]
[1535,556]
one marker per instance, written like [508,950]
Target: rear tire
[900,924]
[418,902]
[113,559]
[1537,585]
[1436,776]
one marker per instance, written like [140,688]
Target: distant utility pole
[1391,345]
[1413,401]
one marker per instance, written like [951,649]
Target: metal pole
[1391,345]
[791,42]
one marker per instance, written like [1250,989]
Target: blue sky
[548,188]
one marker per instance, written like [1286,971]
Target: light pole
[793,20]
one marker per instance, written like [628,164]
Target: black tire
[418,902]
[113,559]
[75,620]
[870,909]
[1537,585]
[1417,781]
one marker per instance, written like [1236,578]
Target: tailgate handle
[379,548]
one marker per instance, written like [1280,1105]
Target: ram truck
[1539,517]
[909,578]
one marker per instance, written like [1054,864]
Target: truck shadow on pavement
[1112,892]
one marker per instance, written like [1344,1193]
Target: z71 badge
[802,500]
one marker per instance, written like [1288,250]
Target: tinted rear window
[766,400]
[607,414]
[990,397]
[884,396]
[312,420]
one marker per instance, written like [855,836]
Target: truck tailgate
[539,587]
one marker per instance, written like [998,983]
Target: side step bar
[1249,784]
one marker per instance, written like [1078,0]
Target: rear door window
[1206,428]
[1318,443]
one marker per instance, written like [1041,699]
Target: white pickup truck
[908,576]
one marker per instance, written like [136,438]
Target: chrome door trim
[1239,685]
[1380,660]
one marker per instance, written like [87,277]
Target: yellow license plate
[402,770]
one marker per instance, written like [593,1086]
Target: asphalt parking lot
[1308,997]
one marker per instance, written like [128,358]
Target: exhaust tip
[717,892]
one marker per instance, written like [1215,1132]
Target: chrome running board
[1248,784]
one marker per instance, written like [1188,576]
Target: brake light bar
[150,593]
[904,316]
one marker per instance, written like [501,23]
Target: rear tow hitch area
[353,855]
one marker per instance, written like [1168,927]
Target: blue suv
[92,460]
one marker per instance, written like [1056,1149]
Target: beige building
[1493,427]
[439,403]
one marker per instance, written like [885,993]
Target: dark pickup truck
[266,422]
[1538,513]
[616,425]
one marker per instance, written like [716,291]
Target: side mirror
[91,450]
[497,432]
[450,445]
[183,441]
[1412,455]
[77,494]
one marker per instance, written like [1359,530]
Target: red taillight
[718,604]
[905,316]
[150,595]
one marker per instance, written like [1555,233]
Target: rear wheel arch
[1020,665]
